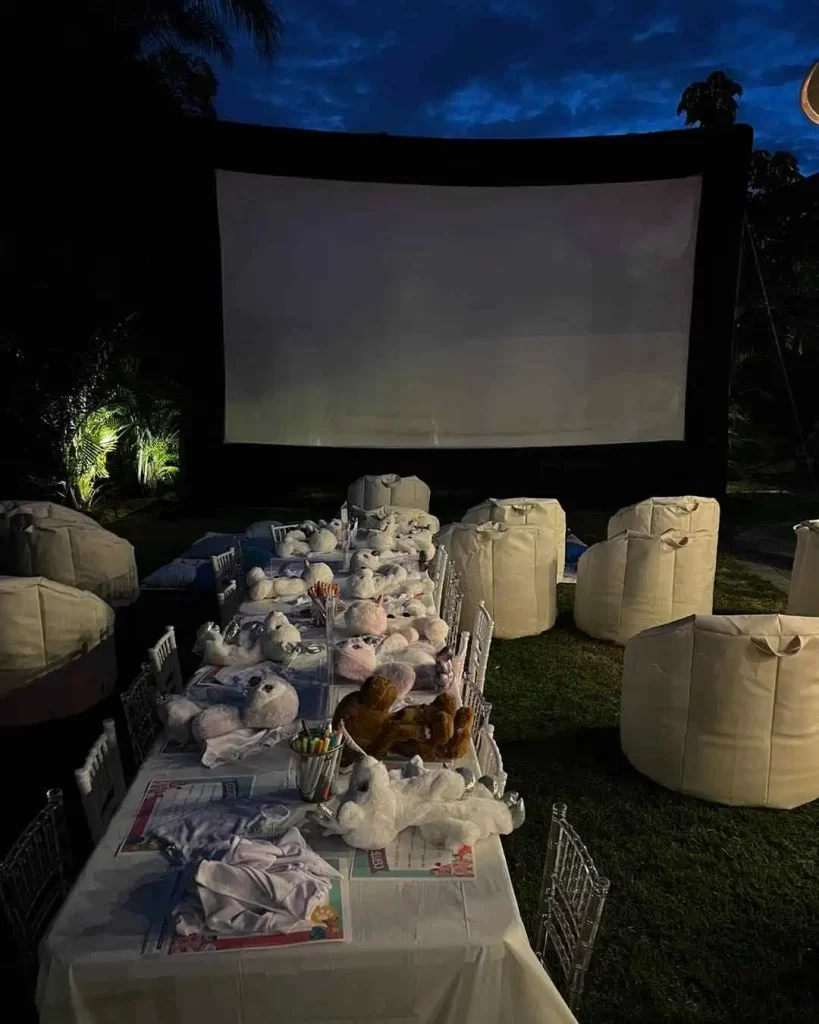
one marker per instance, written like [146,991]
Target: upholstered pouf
[73,553]
[545,513]
[512,568]
[369,492]
[803,596]
[38,510]
[687,513]
[56,650]
[726,708]
[634,581]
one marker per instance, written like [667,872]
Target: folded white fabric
[253,887]
[185,840]
[234,745]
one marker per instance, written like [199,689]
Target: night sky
[517,68]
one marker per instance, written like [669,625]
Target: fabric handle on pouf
[672,540]
[764,646]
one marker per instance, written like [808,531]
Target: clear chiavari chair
[478,659]
[141,720]
[452,599]
[34,880]
[489,756]
[227,601]
[481,709]
[163,658]
[438,574]
[101,782]
[278,533]
[572,897]
[225,567]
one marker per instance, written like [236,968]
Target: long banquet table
[447,951]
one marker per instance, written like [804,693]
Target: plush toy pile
[271,703]
[410,650]
[448,807]
[311,538]
[437,732]
[279,640]
[261,587]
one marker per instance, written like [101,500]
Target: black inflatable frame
[279,475]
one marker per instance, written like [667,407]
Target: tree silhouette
[711,103]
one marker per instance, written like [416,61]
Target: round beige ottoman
[635,580]
[726,708]
[511,568]
[56,650]
[545,513]
[370,492]
[38,510]
[803,595]
[75,554]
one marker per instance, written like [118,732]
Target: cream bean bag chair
[687,513]
[545,513]
[726,708]
[803,596]
[48,634]
[39,510]
[370,492]
[635,580]
[76,554]
[512,568]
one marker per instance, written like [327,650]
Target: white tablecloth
[423,952]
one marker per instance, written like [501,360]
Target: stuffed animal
[448,807]
[323,541]
[366,618]
[404,677]
[294,545]
[436,731]
[366,583]
[280,637]
[440,677]
[216,651]
[355,659]
[427,627]
[365,558]
[265,588]
[272,703]
[316,572]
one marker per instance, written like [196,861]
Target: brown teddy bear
[436,731]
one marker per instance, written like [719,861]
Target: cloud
[512,68]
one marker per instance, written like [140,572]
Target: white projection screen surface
[360,314]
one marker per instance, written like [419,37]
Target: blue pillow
[179,573]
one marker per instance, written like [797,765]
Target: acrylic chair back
[224,567]
[481,709]
[452,599]
[163,658]
[142,722]
[478,659]
[437,573]
[101,782]
[227,601]
[278,533]
[34,880]
[572,898]
[489,756]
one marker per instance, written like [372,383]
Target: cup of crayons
[318,753]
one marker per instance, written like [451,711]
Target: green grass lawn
[713,914]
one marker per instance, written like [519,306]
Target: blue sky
[527,68]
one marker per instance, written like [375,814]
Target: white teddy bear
[366,583]
[261,587]
[294,545]
[323,541]
[280,637]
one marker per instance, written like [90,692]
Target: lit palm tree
[711,103]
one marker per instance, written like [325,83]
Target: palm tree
[109,58]
[711,103]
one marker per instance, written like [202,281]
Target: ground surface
[713,911]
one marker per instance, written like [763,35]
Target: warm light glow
[808,95]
